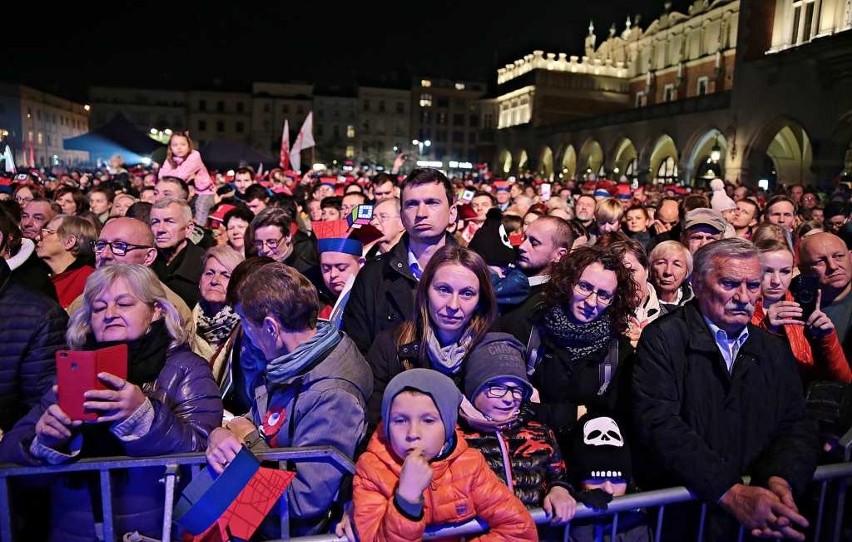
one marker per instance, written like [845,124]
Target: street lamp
[421,144]
[715,152]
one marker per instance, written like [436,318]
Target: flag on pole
[10,160]
[285,146]
[304,140]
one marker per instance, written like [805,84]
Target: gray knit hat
[498,355]
[439,387]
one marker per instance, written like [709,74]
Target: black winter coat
[32,330]
[382,296]
[704,428]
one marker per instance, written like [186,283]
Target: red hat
[219,214]
[338,236]
[501,185]
[623,191]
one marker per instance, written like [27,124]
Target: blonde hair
[143,284]
[84,231]
[224,254]
[608,210]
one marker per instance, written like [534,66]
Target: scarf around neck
[215,328]
[291,364]
[448,359]
[583,339]
[146,355]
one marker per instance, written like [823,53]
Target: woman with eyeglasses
[455,308]
[579,336]
[65,245]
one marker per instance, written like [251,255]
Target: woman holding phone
[169,403]
[812,337]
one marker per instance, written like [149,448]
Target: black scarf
[583,339]
[146,355]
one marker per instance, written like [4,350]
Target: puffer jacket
[187,407]
[32,330]
[462,488]
[525,457]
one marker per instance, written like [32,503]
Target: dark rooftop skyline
[189,44]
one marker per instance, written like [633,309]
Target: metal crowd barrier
[824,475]
[171,464]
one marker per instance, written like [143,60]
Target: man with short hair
[178,263]
[781,210]
[383,187]
[584,210]
[386,217]
[547,240]
[350,201]
[35,215]
[272,232]
[171,187]
[746,217]
[256,198]
[702,226]
[826,255]
[129,240]
[716,398]
[312,391]
[243,178]
[383,293]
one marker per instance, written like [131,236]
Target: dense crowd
[478,346]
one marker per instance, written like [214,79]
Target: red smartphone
[77,372]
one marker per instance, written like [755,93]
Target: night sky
[185,44]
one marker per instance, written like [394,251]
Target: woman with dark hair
[236,224]
[455,308]
[580,329]
[71,200]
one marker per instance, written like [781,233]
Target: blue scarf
[291,364]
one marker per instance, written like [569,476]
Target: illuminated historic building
[743,89]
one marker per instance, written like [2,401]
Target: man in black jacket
[716,398]
[178,263]
[383,293]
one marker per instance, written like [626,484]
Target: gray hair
[734,247]
[667,247]
[144,285]
[185,209]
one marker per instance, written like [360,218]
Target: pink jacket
[189,169]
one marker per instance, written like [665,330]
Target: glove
[597,499]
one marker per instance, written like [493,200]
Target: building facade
[748,90]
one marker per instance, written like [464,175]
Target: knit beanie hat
[491,241]
[597,449]
[720,201]
[498,355]
[438,386]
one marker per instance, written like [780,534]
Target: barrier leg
[171,475]
[106,505]
[5,511]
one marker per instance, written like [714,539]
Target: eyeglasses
[22,200]
[119,248]
[271,243]
[47,231]
[585,289]
[496,391]
[384,217]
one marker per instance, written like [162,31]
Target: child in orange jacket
[418,470]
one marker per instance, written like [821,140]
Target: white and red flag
[304,140]
[285,146]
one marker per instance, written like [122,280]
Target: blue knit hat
[439,387]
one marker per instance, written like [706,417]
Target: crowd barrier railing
[171,465]
[647,500]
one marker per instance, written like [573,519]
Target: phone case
[77,372]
